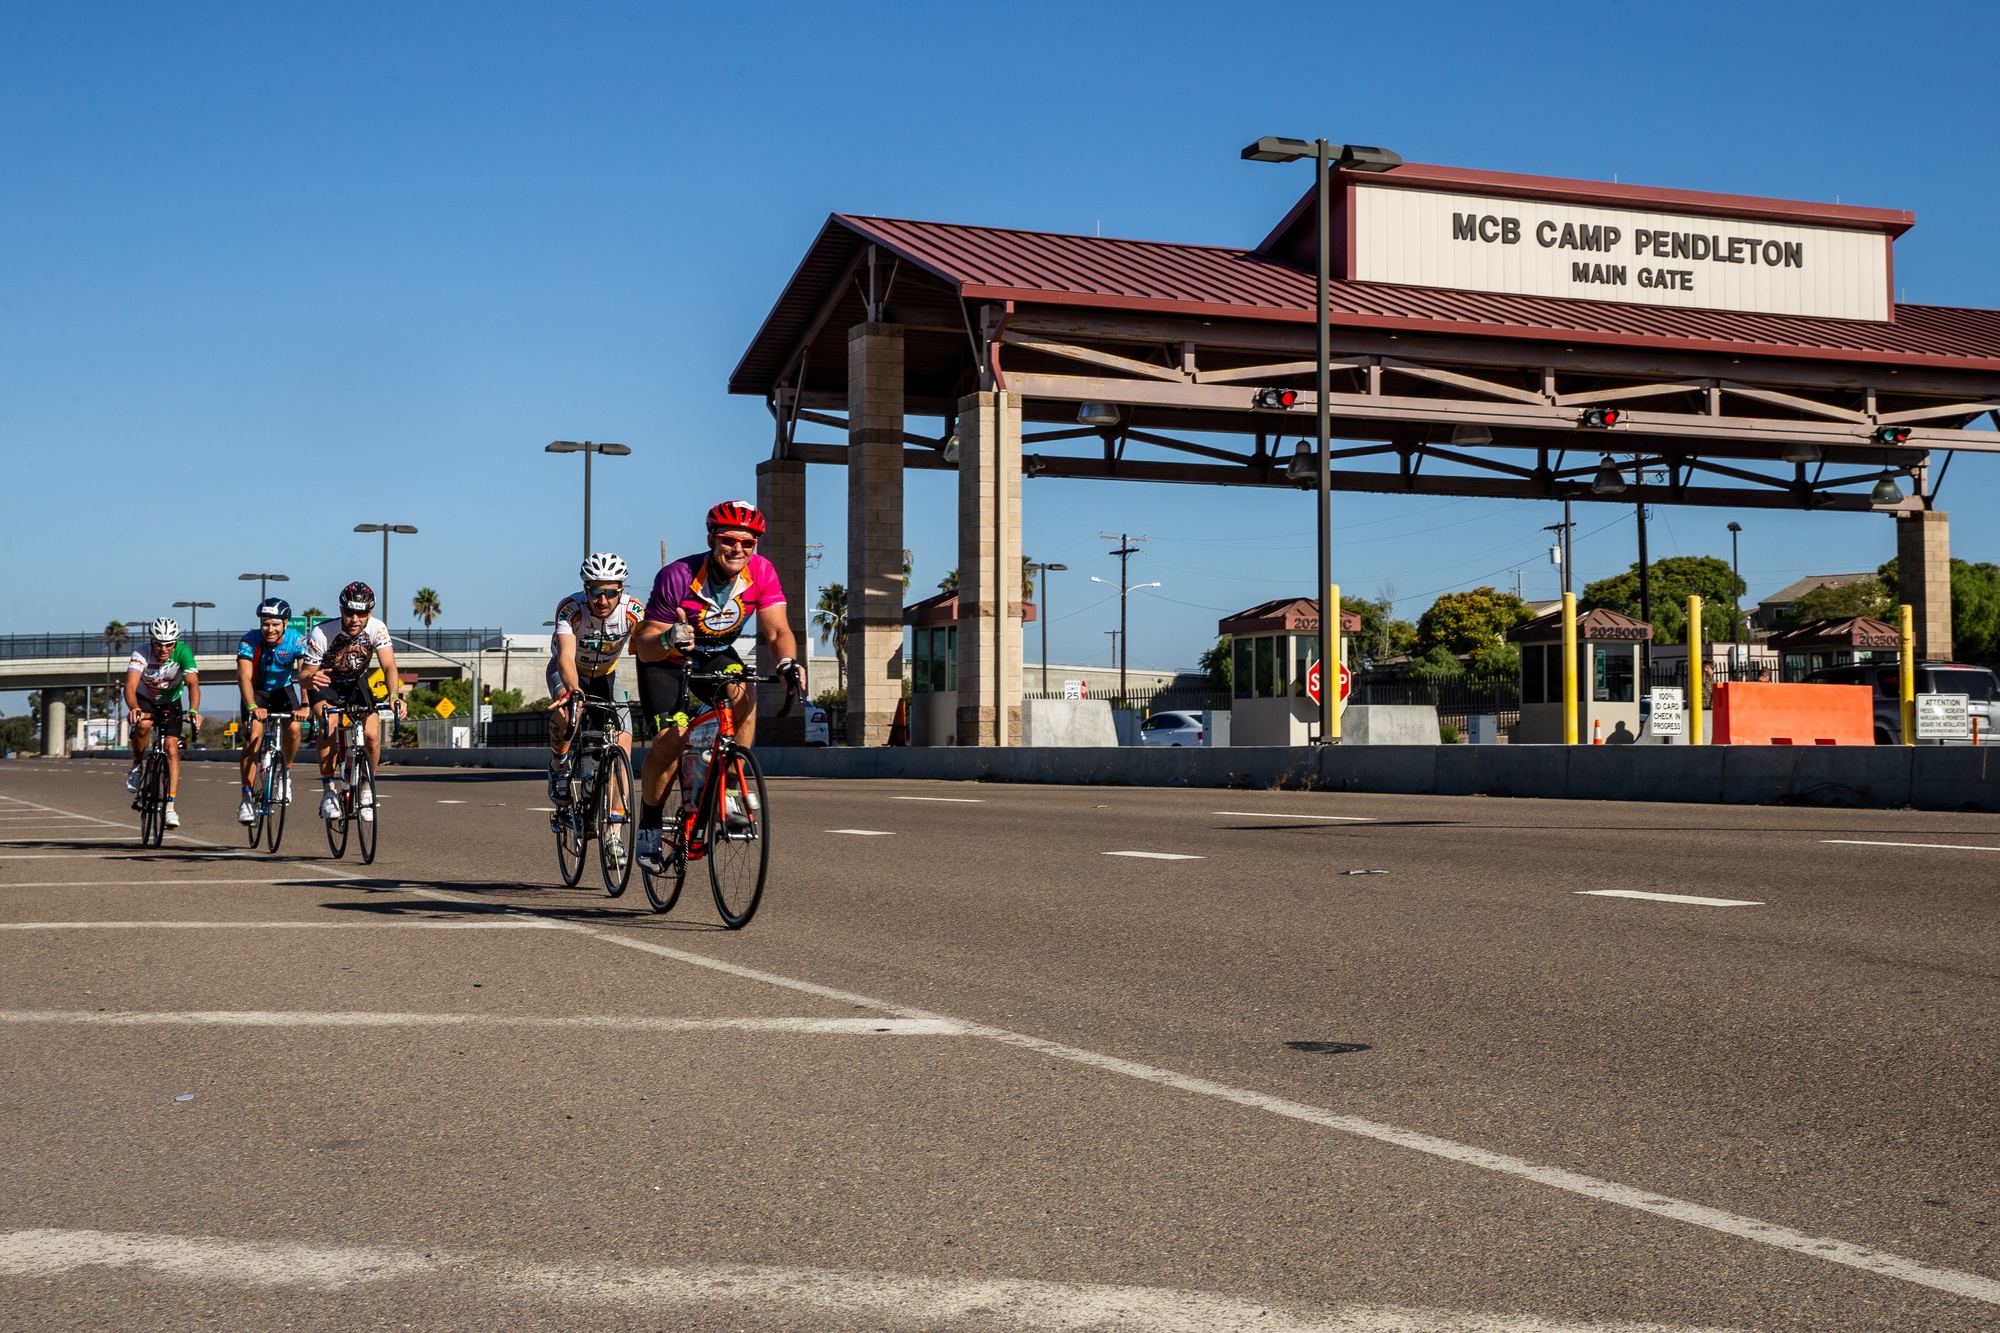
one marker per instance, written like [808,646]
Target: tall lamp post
[1736,571]
[1326,156]
[1044,570]
[1124,590]
[194,610]
[263,582]
[385,529]
[586,448]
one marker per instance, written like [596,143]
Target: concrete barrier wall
[1955,777]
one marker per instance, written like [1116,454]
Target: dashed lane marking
[285,1018]
[151,883]
[810,1297]
[1938,846]
[451,802]
[1669,897]
[864,832]
[1285,814]
[496,923]
[1157,856]
[954,800]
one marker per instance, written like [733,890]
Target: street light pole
[194,610]
[1126,550]
[1355,157]
[263,582]
[1736,571]
[586,448]
[385,529]
[1044,569]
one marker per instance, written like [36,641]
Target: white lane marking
[864,832]
[50,809]
[451,802]
[94,837]
[1282,814]
[1669,897]
[1157,856]
[1881,1262]
[955,800]
[133,854]
[286,1018]
[1939,846]
[499,923]
[542,809]
[814,1297]
[149,883]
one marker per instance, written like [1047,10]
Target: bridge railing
[213,642]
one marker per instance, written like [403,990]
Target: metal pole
[1329,610]
[1569,668]
[1124,559]
[385,574]
[1569,527]
[1907,688]
[1045,631]
[1645,594]
[587,452]
[1735,597]
[1694,673]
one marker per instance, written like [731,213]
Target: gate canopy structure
[1493,335]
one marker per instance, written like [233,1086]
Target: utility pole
[1126,550]
[1043,568]
[1645,596]
[1735,598]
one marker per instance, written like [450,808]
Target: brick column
[989,569]
[781,494]
[1923,571]
[874,530]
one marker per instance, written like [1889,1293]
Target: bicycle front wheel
[336,830]
[367,810]
[664,890]
[153,802]
[614,820]
[738,836]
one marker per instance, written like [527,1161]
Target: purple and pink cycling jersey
[719,611]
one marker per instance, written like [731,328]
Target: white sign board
[1076,689]
[1669,711]
[1944,717]
[1531,247]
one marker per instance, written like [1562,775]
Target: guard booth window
[1303,648]
[1241,670]
[934,654]
[1266,686]
[1534,689]
[1611,676]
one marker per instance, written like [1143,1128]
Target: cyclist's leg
[329,804]
[172,722]
[371,734]
[253,740]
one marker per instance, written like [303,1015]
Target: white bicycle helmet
[604,567]
[164,630]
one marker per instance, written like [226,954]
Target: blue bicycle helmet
[274,608]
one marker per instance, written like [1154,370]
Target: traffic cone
[899,727]
[1597,731]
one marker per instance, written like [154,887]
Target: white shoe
[329,806]
[368,814]
[173,816]
[286,797]
[132,779]
[246,813]
[614,847]
[366,802]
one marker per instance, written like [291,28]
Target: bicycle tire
[255,828]
[336,831]
[663,891]
[274,822]
[152,805]
[612,791]
[738,860]
[368,828]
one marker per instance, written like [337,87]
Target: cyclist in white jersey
[592,630]
[334,671]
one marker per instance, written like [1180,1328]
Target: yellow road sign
[445,709]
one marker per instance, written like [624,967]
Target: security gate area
[1500,336]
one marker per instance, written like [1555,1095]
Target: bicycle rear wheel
[274,793]
[613,806]
[367,810]
[738,834]
[663,891]
[568,826]
[255,828]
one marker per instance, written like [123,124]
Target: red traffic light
[1275,398]
[1892,434]
[1601,418]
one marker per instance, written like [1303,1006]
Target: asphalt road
[974,1066]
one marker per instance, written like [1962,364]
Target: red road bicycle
[727,823]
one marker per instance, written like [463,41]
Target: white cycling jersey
[346,656]
[599,639]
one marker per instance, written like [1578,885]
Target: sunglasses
[737,543]
[599,594]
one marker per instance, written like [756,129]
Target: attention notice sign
[1430,238]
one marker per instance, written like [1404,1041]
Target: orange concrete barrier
[1752,713]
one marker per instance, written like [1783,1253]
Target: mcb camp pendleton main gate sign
[1490,242]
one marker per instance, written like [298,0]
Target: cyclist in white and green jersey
[161,678]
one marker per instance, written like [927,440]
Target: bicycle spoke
[739,845]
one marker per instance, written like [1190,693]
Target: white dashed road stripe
[1286,814]
[1936,846]
[895,1027]
[1669,897]
[491,923]
[954,800]
[864,832]
[1157,856]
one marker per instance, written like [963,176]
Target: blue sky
[269,271]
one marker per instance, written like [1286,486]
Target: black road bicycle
[154,775]
[271,784]
[354,779]
[597,796]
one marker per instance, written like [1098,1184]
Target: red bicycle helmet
[739,514]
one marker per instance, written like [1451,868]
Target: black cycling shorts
[665,691]
[342,693]
[599,688]
[284,699]
[170,716]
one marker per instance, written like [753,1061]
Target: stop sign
[1312,683]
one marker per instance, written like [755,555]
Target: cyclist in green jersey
[161,678]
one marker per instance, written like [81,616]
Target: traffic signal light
[1892,434]
[1275,398]
[1600,418]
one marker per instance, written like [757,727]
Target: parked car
[819,727]
[1977,683]
[1171,729]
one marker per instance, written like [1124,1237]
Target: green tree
[949,583]
[1469,622]
[1437,665]
[1864,597]
[116,635]
[1215,664]
[426,607]
[829,617]
[1674,579]
[1975,606]
[1381,635]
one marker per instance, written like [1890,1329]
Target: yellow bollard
[1329,673]
[1695,673]
[1569,669]
[1908,684]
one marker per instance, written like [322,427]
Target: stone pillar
[781,495]
[989,569]
[1923,573]
[55,723]
[874,530]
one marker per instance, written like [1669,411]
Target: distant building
[1769,611]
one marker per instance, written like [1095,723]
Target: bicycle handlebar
[751,678]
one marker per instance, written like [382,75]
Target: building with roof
[1772,609]
[1484,327]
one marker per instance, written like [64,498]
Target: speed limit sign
[1346,684]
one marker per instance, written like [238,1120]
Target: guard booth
[1608,649]
[1833,643]
[933,626]
[1271,647]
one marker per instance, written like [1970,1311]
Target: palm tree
[116,636]
[425,606]
[949,583]
[829,617]
[314,613]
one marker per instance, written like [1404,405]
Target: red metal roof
[1600,624]
[997,263]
